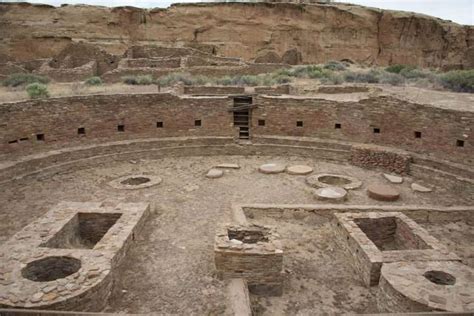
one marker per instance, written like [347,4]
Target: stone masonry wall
[373,157]
[213,90]
[86,118]
[36,123]
[384,121]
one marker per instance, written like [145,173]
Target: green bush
[176,77]
[391,78]
[281,79]
[225,81]
[362,77]
[19,79]
[93,81]
[333,78]
[458,80]
[37,90]
[138,80]
[335,66]
[396,69]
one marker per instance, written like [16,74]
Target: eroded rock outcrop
[316,33]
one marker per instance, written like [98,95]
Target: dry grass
[8,94]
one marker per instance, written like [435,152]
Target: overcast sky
[460,11]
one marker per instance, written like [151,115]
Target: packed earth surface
[170,268]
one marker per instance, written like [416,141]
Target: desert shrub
[138,80]
[247,80]
[281,79]
[335,66]
[391,78]
[145,80]
[396,69]
[224,81]
[37,90]
[176,77]
[371,76]
[458,80]
[93,81]
[19,79]
[131,80]
[333,78]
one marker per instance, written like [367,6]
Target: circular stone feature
[50,269]
[334,194]
[381,192]
[325,180]
[214,173]
[299,170]
[425,286]
[271,168]
[133,182]
[440,277]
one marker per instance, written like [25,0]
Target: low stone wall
[342,89]
[150,63]
[209,71]
[69,74]
[213,90]
[193,61]
[281,89]
[377,158]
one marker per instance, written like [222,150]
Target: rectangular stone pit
[250,252]
[371,239]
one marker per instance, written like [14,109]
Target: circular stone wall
[50,269]
[426,286]
[324,180]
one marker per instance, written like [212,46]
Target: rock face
[299,33]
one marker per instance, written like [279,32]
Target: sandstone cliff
[247,30]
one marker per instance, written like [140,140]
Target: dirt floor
[170,268]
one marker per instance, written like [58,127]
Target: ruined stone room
[237,158]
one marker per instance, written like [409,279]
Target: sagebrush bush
[372,76]
[391,78]
[332,78]
[458,80]
[396,69]
[138,80]
[176,77]
[19,79]
[37,90]
[335,66]
[93,81]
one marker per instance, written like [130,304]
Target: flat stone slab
[299,170]
[272,168]
[214,173]
[227,166]
[420,188]
[334,194]
[381,192]
[393,179]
